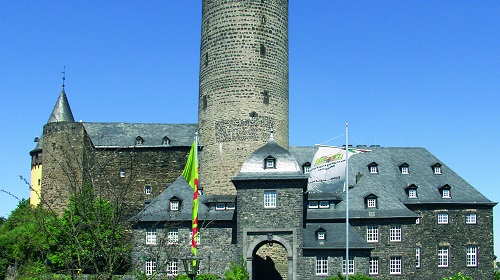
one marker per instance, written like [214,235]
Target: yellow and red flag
[191,174]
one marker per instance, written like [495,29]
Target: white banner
[328,169]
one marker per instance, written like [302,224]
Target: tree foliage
[237,271]
[458,276]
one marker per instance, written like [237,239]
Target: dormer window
[437,168]
[371,201]
[313,204]
[373,168]
[404,168]
[175,204]
[411,191]
[321,234]
[270,163]
[139,141]
[165,141]
[220,206]
[324,204]
[445,191]
[307,168]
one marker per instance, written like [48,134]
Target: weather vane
[64,75]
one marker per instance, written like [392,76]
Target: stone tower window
[263,19]
[122,172]
[253,114]
[266,97]
[204,102]
[262,50]
[206,59]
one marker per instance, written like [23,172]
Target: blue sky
[402,73]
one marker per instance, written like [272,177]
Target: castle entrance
[270,262]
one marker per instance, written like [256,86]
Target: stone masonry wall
[243,85]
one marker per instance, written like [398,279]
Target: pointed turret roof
[62,111]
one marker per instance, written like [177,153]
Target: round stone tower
[243,85]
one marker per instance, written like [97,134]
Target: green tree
[237,271]
[357,276]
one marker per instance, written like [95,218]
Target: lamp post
[191,266]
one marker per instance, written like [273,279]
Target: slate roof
[286,167]
[335,237]
[158,209]
[125,134]
[62,111]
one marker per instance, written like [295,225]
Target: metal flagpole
[347,202]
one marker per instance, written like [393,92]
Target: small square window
[122,172]
[173,236]
[371,203]
[307,168]
[321,235]
[412,193]
[269,163]
[313,204]
[231,205]
[417,221]
[220,206]
[324,204]
[373,169]
[442,218]
[437,170]
[147,190]
[174,205]
[405,170]
[269,199]
[470,218]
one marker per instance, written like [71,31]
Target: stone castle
[411,217]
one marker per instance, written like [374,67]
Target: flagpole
[347,201]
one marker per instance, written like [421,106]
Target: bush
[458,276]
[237,271]
[198,277]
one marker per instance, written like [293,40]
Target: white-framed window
[307,168]
[174,205]
[230,205]
[269,199]
[373,266]
[471,256]
[324,204]
[350,268]
[321,265]
[220,206]
[395,233]
[417,221]
[321,235]
[443,258]
[122,172]
[139,141]
[150,267]
[172,268]
[313,204]
[371,202]
[417,257]
[147,190]
[437,170]
[470,218]
[405,170]
[442,218]
[173,236]
[372,233]
[412,193]
[270,163]
[374,169]
[446,193]
[151,236]
[395,265]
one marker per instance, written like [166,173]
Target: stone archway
[270,259]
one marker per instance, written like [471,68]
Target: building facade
[411,216]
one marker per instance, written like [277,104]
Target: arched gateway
[270,257]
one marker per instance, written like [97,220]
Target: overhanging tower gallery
[243,85]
